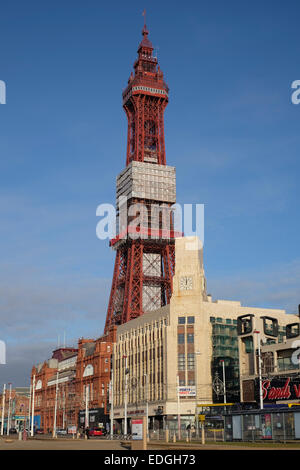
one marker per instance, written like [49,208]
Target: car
[61,432]
[13,431]
[97,432]
[39,431]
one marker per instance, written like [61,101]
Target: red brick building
[73,380]
[16,407]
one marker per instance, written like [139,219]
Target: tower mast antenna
[144,15]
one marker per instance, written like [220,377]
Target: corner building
[179,347]
[75,379]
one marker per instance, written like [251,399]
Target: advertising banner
[137,429]
[187,391]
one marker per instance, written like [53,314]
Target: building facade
[173,356]
[277,347]
[14,408]
[71,388]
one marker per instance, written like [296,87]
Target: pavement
[61,443]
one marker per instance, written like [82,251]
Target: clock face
[186,283]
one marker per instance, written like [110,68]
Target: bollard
[167,435]
[174,437]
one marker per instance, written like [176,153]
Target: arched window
[38,385]
[89,370]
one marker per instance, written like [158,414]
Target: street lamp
[3,408]
[178,409]
[112,398]
[32,410]
[126,372]
[259,370]
[55,406]
[197,353]
[9,410]
[224,382]
[147,406]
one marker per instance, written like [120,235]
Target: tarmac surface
[41,443]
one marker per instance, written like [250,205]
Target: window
[191,320]
[190,337]
[181,361]
[180,338]
[181,320]
[191,361]
[248,344]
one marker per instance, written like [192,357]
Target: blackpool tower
[146,192]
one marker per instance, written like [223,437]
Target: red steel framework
[144,101]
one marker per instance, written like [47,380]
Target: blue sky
[231,131]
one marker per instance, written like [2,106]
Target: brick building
[73,380]
[16,407]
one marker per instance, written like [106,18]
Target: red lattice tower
[145,251]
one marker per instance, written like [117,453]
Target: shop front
[269,424]
[96,418]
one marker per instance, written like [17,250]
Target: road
[61,443]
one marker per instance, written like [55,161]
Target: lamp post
[32,410]
[3,408]
[224,380]
[125,396]
[9,410]
[27,426]
[55,407]
[259,370]
[87,399]
[147,405]
[178,409]
[197,353]
[112,398]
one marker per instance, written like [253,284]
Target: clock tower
[189,278]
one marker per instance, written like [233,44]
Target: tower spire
[144,15]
